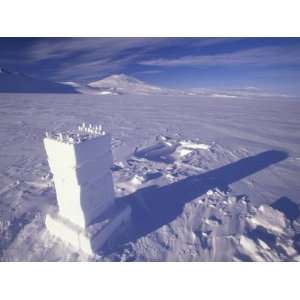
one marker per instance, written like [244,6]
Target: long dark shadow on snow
[153,207]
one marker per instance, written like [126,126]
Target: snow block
[89,240]
[74,154]
[81,165]
[82,173]
[82,204]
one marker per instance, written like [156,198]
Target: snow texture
[206,180]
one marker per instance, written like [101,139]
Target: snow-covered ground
[208,179]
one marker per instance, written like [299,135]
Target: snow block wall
[80,162]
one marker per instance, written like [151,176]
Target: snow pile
[269,236]
[269,218]
[170,150]
[137,180]
[187,147]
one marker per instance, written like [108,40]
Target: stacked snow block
[93,237]
[82,177]
[84,190]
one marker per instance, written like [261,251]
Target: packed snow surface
[207,180]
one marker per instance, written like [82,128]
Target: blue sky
[264,63]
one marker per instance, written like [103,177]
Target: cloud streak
[88,48]
[86,58]
[91,48]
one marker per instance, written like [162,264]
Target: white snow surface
[207,180]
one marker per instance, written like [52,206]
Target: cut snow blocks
[94,236]
[87,214]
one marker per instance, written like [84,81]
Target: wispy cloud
[91,48]
[91,69]
[85,58]
[258,56]
[88,48]
[148,72]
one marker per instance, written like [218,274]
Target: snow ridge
[14,82]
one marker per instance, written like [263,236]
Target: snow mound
[160,151]
[271,219]
[187,147]
[170,150]
[184,152]
[268,236]
[137,180]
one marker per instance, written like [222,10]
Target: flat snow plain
[207,179]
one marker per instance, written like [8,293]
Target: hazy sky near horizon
[264,63]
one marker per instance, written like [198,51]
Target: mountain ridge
[119,84]
[15,82]
[124,84]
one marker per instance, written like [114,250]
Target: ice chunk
[270,218]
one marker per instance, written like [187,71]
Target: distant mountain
[13,82]
[121,84]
